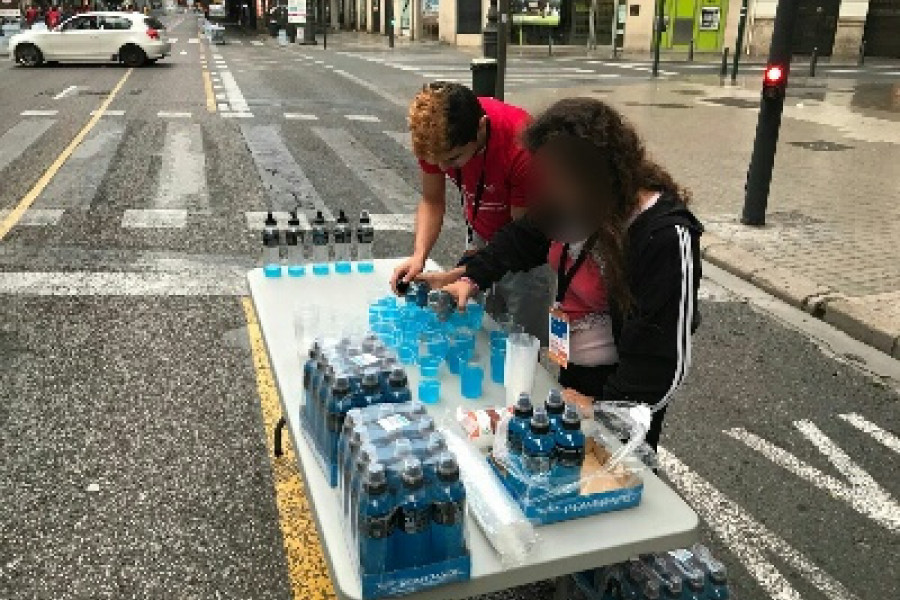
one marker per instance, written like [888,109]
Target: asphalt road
[134,460]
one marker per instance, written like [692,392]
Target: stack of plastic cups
[520,366]
[429,384]
[461,349]
[471,377]
[498,355]
[474,315]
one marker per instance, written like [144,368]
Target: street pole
[389,20]
[657,35]
[739,42]
[615,27]
[759,175]
[309,32]
[502,35]
[489,33]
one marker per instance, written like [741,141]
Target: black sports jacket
[653,338]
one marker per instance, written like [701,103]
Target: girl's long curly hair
[602,143]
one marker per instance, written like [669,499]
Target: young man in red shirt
[475,143]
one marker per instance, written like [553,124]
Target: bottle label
[335,422]
[447,513]
[392,423]
[270,237]
[570,457]
[413,520]
[290,238]
[320,238]
[364,360]
[537,463]
[376,528]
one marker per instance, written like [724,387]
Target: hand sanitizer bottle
[365,236]
[343,238]
[320,245]
[271,257]
[293,238]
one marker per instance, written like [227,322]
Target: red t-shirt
[505,174]
[587,292]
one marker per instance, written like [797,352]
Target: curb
[856,319]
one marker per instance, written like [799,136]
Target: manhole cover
[821,146]
[734,102]
[659,104]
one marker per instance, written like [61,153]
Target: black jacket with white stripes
[653,338]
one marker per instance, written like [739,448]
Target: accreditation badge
[559,337]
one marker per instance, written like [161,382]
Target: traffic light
[774,82]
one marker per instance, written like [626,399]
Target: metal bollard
[723,72]
[550,44]
[691,52]
[812,62]
[862,53]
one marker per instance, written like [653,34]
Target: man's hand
[584,403]
[439,279]
[462,290]
[406,271]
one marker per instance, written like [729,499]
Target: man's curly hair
[599,141]
[441,117]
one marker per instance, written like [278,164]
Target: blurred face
[456,158]
[572,194]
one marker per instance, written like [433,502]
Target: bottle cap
[370,379]
[293,221]
[540,421]
[555,404]
[397,377]
[342,218]
[270,220]
[412,474]
[376,479]
[364,217]
[341,384]
[571,419]
[436,442]
[523,408]
[448,469]
[402,447]
[402,287]
[319,220]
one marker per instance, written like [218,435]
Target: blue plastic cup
[388,301]
[429,365]
[498,335]
[456,358]
[498,364]
[437,345]
[408,354]
[463,339]
[474,315]
[429,390]
[471,380]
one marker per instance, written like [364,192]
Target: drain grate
[734,102]
[821,146]
[659,104]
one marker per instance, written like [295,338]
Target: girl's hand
[584,403]
[438,279]
[462,290]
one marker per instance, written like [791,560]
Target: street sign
[296,11]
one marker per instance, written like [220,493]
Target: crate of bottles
[403,502]
[557,467]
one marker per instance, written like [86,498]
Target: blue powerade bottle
[537,454]
[398,388]
[309,371]
[375,523]
[339,404]
[368,454]
[370,390]
[410,548]
[321,398]
[555,408]
[435,446]
[448,511]
[519,423]
[569,453]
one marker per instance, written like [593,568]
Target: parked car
[132,39]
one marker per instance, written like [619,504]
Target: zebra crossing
[180,192]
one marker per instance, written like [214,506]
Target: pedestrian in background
[616,228]
[31,15]
[475,143]
[53,17]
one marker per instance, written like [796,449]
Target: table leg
[279,428]
[565,588]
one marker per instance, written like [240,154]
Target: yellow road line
[28,199]
[307,571]
[210,97]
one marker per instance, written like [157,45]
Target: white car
[130,38]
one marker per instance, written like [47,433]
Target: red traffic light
[774,75]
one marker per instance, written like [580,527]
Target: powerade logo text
[408,584]
[598,503]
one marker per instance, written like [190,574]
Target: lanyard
[479,190]
[564,278]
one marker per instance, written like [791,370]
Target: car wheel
[28,55]
[132,56]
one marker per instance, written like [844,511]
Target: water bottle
[435,446]
[293,239]
[693,578]
[386,367]
[370,389]
[322,395]
[716,574]
[399,450]
[398,387]
[448,511]
[340,402]
[312,404]
[519,423]
[650,591]
[367,455]
[555,407]
[411,547]
[537,449]
[365,236]
[670,582]
[320,244]
[569,453]
[343,238]
[630,583]
[271,256]
[375,524]
[309,370]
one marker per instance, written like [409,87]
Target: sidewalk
[830,245]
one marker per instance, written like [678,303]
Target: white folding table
[663,521]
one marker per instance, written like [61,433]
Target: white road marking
[372,88]
[173,115]
[66,92]
[749,539]
[220,96]
[883,436]
[110,113]
[235,97]
[182,176]
[401,137]
[37,217]
[363,118]
[38,113]
[237,115]
[173,40]
[391,189]
[393,222]
[19,137]
[844,70]
[183,52]
[256,42]
[206,281]
[193,41]
[300,117]
[154,218]
[217,86]
[860,490]
[224,106]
